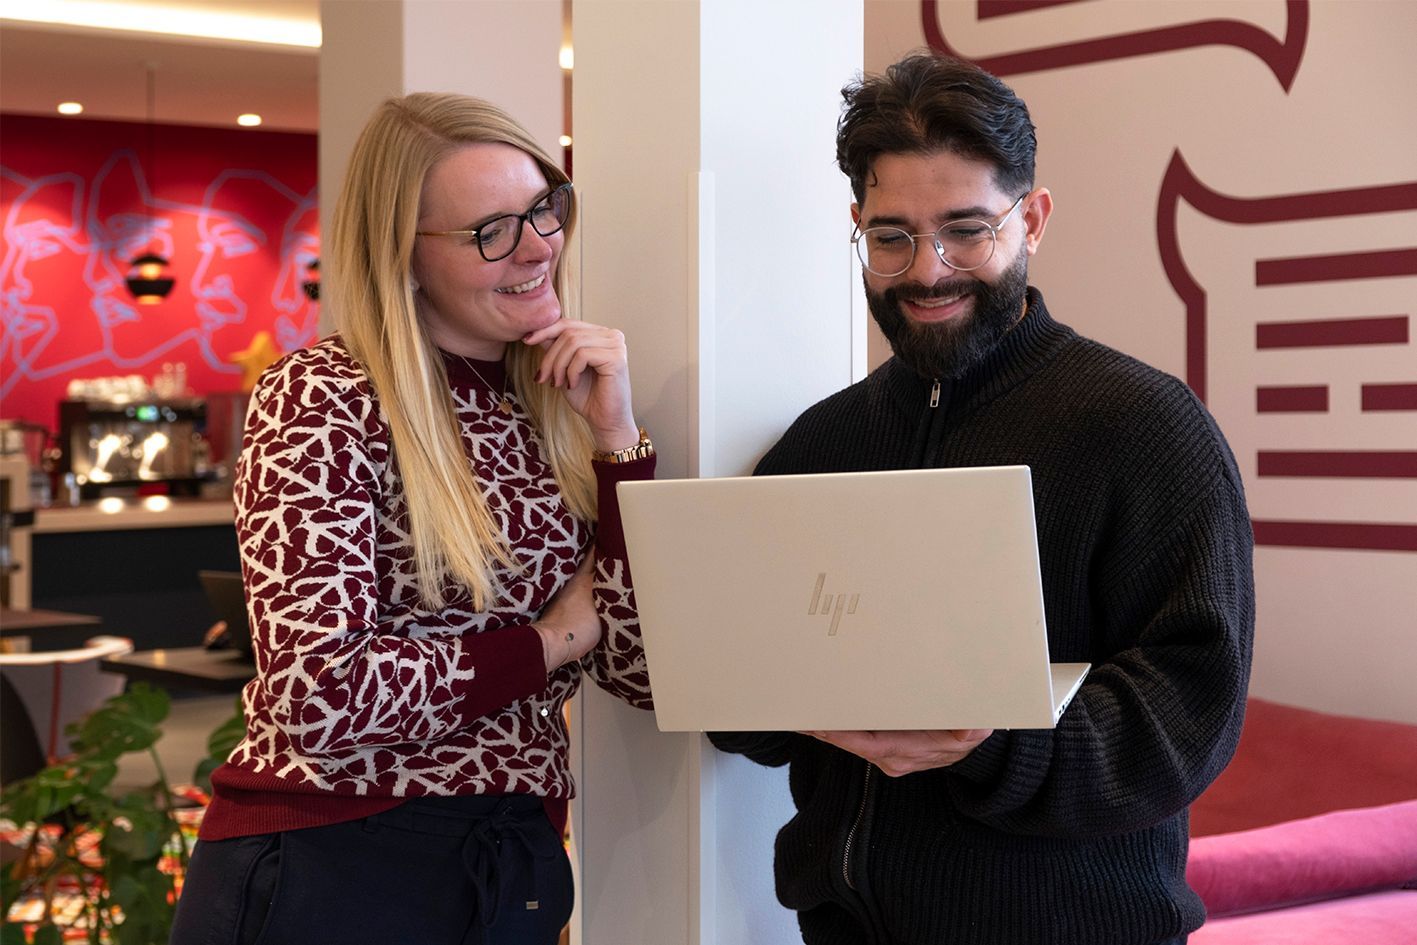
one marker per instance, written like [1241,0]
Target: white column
[715,234]
[505,51]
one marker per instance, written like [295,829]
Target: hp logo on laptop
[827,604]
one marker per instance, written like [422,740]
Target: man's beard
[950,349]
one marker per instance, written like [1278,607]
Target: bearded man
[1050,837]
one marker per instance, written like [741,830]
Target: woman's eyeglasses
[497,238]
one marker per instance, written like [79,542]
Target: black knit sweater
[1072,836]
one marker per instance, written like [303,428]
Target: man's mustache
[913,290]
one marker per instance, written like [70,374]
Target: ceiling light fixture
[169,20]
[248,120]
[147,279]
[70,108]
[311,284]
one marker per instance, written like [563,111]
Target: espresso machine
[120,445]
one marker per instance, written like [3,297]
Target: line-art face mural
[239,250]
[240,240]
[297,323]
[44,244]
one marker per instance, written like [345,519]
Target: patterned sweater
[363,696]
[1057,836]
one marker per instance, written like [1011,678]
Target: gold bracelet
[641,450]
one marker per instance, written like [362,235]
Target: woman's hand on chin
[591,364]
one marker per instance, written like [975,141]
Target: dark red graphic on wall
[234,212]
[1281,56]
[1352,331]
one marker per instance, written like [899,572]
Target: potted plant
[106,848]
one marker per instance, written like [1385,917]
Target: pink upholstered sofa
[1310,836]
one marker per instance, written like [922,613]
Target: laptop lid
[884,600]
[227,598]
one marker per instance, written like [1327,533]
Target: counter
[114,513]
[133,562]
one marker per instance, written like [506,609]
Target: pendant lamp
[148,279]
[311,285]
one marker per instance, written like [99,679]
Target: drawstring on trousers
[490,851]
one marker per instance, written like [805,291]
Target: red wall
[233,210]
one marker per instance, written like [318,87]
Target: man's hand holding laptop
[905,752]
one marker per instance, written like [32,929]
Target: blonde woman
[433,558]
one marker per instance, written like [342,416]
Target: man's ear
[1035,218]
[856,214]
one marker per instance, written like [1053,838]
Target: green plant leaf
[19,803]
[107,735]
[144,837]
[142,894]
[133,828]
[149,704]
[127,722]
[48,934]
[202,775]
[10,886]
[128,894]
[220,743]
[226,735]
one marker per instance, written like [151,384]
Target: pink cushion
[1295,762]
[1319,857]
[1382,918]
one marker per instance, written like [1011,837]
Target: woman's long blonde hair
[453,533]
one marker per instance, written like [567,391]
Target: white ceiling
[197,81]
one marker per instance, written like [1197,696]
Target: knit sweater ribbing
[1059,836]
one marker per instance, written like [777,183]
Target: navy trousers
[433,871]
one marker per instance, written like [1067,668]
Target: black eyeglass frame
[520,218]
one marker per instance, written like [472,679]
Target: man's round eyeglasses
[499,237]
[960,244]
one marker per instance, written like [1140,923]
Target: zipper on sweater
[935,394]
[856,826]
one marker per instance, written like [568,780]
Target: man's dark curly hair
[927,103]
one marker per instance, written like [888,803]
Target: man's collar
[1030,343]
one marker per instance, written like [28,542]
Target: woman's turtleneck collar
[1027,346]
[464,372]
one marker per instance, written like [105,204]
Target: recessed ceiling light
[248,120]
[70,108]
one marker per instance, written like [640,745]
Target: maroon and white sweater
[363,697]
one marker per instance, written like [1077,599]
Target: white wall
[361,64]
[502,50]
[715,235]
[1294,117]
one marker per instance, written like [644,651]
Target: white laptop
[881,600]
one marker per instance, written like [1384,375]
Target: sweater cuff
[609,533]
[987,762]
[511,665]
